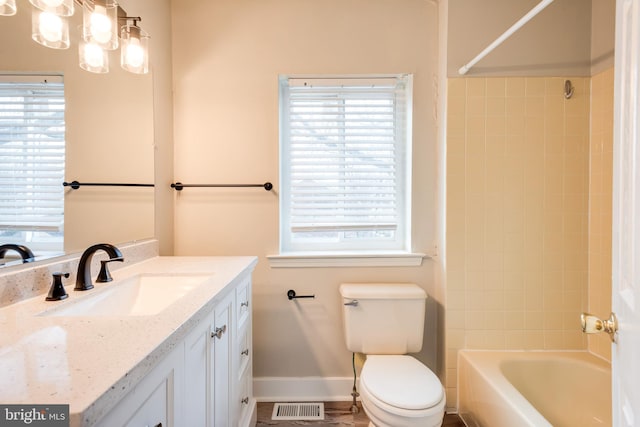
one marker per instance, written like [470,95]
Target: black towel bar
[178,186]
[75,184]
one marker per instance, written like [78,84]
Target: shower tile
[534,340]
[535,86]
[476,87]
[514,340]
[495,320]
[516,86]
[456,88]
[514,321]
[496,125]
[533,320]
[514,300]
[495,147]
[554,86]
[534,107]
[495,340]
[515,106]
[553,340]
[496,87]
[496,106]
[476,106]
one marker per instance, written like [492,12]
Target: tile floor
[337,414]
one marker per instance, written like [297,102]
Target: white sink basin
[140,295]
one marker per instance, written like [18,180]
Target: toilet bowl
[399,391]
[385,321]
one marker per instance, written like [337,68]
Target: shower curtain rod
[497,42]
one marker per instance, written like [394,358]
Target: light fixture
[7,7]
[134,51]
[100,32]
[100,23]
[49,29]
[93,58]
[57,7]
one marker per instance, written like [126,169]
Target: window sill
[299,260]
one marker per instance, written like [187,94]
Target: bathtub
[533,388]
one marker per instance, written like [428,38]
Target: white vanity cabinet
[206,381]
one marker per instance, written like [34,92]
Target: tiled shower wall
[517,215]
[600,186]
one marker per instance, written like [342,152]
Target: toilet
[385,321]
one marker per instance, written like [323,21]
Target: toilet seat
[401,382]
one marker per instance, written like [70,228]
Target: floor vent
[298,411]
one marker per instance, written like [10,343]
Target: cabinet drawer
[243,302]
[245,399]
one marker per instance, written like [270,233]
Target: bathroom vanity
[167,343]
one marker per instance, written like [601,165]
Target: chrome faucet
[25,252]
[83,278]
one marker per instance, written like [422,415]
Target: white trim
[296,260]
[302,389]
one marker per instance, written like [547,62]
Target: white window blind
[345,163]
[32,158]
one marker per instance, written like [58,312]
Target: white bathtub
[533,388]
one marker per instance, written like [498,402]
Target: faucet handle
[57,292]
[104,275]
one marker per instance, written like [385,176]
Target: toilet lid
[401,381]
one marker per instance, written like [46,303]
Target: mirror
[109,135]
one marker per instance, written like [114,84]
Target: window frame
[400,249]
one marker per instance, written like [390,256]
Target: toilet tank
[383,318]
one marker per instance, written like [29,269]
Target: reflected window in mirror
[32,160]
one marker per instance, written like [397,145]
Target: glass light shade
[93,58]
[49,29]
[57,7]
[7,7]
[134,51]
[100,23]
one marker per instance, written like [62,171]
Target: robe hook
[568,89]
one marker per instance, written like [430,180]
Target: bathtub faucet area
[593,325]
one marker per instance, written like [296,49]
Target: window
[32,156]
[345,164]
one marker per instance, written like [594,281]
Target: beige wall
[603,22]
[227,55]
[600,205]
[517,199]
[556,42]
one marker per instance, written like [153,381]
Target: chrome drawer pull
[219,331]
[245,352]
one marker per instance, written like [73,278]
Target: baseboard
[302,389]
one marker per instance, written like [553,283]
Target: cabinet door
[154,411]
[222,337]
[154,401]
[196,375]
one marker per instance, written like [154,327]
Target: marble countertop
[91,362]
